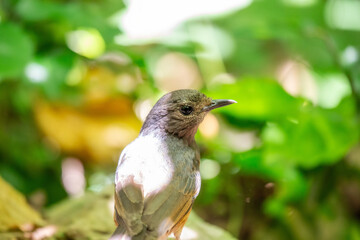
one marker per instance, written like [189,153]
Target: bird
[157,177]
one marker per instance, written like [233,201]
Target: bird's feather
[160,211]
[158,178]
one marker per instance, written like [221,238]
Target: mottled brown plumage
[157,178]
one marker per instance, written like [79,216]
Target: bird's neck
[159,123]
[188,135]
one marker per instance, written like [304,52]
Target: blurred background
[77,79]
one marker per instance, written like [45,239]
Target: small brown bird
[157,178]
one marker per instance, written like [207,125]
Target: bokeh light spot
[209,169]
[239,140]
[99,180]
[300,3]
[142,108]
[297,80]
[177,71]
[273,133]
[209,128]
[86,42]
[76,75]
[349,56]
[36,72]
[343,14]
[72,176]
[332,89]
[116,136]
[138,21]
[125,83]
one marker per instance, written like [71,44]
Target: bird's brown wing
[191,188]
[129,201]
[160,212]
[169,209]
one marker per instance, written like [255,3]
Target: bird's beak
[218,103]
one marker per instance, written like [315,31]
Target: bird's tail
[120,233]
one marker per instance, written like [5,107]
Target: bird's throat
[188,135]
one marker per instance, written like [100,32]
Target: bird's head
[180,112]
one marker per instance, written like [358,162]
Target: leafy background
[283,163]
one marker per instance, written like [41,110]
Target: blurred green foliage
[299,180]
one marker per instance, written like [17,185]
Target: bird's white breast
[154,162]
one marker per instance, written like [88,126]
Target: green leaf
[58,65]
[16,50]
[318,136]
[250,162]
[257,100]
[35,10]
[291,185]
[67,16]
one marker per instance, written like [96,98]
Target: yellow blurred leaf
[15,213]
[96,132]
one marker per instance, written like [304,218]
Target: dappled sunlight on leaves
[78,78]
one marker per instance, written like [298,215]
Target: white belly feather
[152,166]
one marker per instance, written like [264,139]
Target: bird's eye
[186,110]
